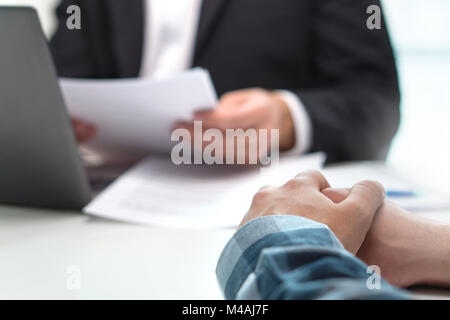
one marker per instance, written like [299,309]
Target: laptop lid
[39,160]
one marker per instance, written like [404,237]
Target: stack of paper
[158,192]
[135,116]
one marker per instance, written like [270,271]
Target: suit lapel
[127,35]
[211,12]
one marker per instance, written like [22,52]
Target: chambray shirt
[289,257]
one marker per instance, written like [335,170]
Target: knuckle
[373,187]
[228,95]
[294,183]
[265,188]
[316,173]
[262,195]
[255,90]
[311,174]
[312,177]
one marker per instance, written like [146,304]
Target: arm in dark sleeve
[289,257]
[353,101]
[84,53]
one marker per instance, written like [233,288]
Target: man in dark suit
[338,81]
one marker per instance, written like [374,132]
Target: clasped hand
[408,249]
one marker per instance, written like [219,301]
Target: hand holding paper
[135,116]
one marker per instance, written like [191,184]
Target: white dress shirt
[169,41]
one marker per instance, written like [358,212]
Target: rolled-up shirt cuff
[239,257]
[301,120]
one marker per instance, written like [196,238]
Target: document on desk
[157,192]
[407,194]
[136,115]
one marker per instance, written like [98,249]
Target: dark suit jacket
[322,50]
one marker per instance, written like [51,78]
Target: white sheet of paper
[344,176]
[136,115]
[158,192]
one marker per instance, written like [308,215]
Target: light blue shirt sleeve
[290,257]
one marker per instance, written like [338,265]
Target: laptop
[40,165]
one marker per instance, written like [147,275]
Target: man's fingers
[234,118]
[234,98]
[310,178]
[83,131]
[365,196]
[202,113]
[336,195]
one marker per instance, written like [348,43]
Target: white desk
[116,260]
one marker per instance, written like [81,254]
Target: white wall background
[45,9]
[420,30]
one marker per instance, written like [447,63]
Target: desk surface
[115,260]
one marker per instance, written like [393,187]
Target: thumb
[365,197]
[336,195]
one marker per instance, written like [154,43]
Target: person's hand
[84,131]
[408,249]
[349,220]
[245,109]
